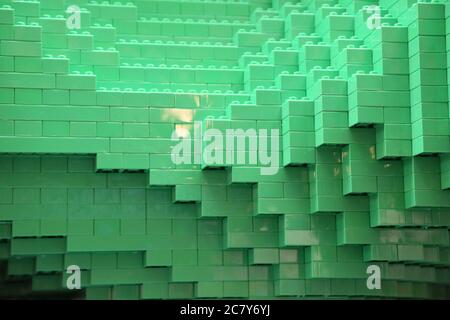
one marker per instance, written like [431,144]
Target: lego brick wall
[359,96]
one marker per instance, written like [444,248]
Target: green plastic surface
[87,178]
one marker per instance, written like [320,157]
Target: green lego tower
[249,149]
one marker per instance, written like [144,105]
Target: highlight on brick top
[212,147]
[226,149]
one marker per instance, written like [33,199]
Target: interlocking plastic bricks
[236,149]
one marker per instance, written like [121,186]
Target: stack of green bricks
[87,178]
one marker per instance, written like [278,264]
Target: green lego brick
[75,81]
[26,8]
[7,15]
[21,48]
[55,65]
[88,177]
